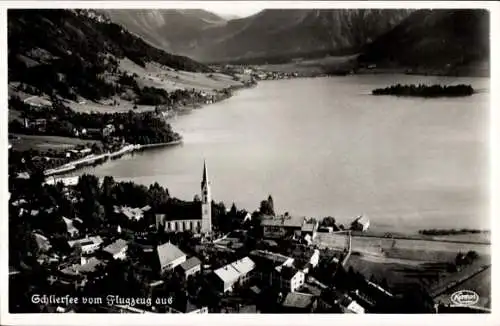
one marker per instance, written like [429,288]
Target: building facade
[203,225]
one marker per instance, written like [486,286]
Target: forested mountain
[74,52]
[441,38]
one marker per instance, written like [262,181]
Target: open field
[164,77]
[375,244]
[43,143]
[399,273]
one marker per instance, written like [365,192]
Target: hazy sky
[242,9]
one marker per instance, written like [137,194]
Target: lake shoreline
[182,191]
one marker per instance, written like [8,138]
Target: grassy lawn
[43,143]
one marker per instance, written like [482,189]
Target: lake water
[326,147]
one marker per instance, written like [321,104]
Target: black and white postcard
[257,158]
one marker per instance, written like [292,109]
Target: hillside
[269,35]
[169,29]
[428,40]
[77,53]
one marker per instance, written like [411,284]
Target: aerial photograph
[248,160]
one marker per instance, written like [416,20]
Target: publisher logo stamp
[465,298]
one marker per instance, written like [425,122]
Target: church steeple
[206,202]
[204,180]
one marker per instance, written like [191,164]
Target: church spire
[204,181]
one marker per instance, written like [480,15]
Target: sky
[240,9]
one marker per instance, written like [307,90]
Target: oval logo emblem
[465,298]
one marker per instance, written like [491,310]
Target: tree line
[422,90]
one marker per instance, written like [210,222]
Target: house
[238,272]
[191,266]
[42,242]
[19,202]
[118,249]
[304,257]
[289,278]
[70,228]
[361,223]
[87,266]
[169,256]
[93,132]
[309,228]
[69,181]
[282,226]
[108,130]
[132,214]
[296,302]
[277,270]
[88,244]
[351,306]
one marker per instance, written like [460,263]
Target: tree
[271,204]
[267,206]
[329,221]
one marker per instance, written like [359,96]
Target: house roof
[86,241]
[231,272]
[167,253]
[244,265]
[285,221]
[190,263]
[69,223]
[228,274]
[272,257]
[116,246]
[89,267]
[298,300]
[308,227]
[288,272]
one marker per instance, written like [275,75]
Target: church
[203,225]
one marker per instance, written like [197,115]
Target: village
[191,262]
[195,257]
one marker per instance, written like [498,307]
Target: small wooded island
[422,90]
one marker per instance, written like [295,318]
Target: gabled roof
[167,253]
[231,272]
[244,265]
[285,221]
[298,300]
[190,263]
[228,274]
[271,257]
[116,246]
[86,241]
[89,267]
